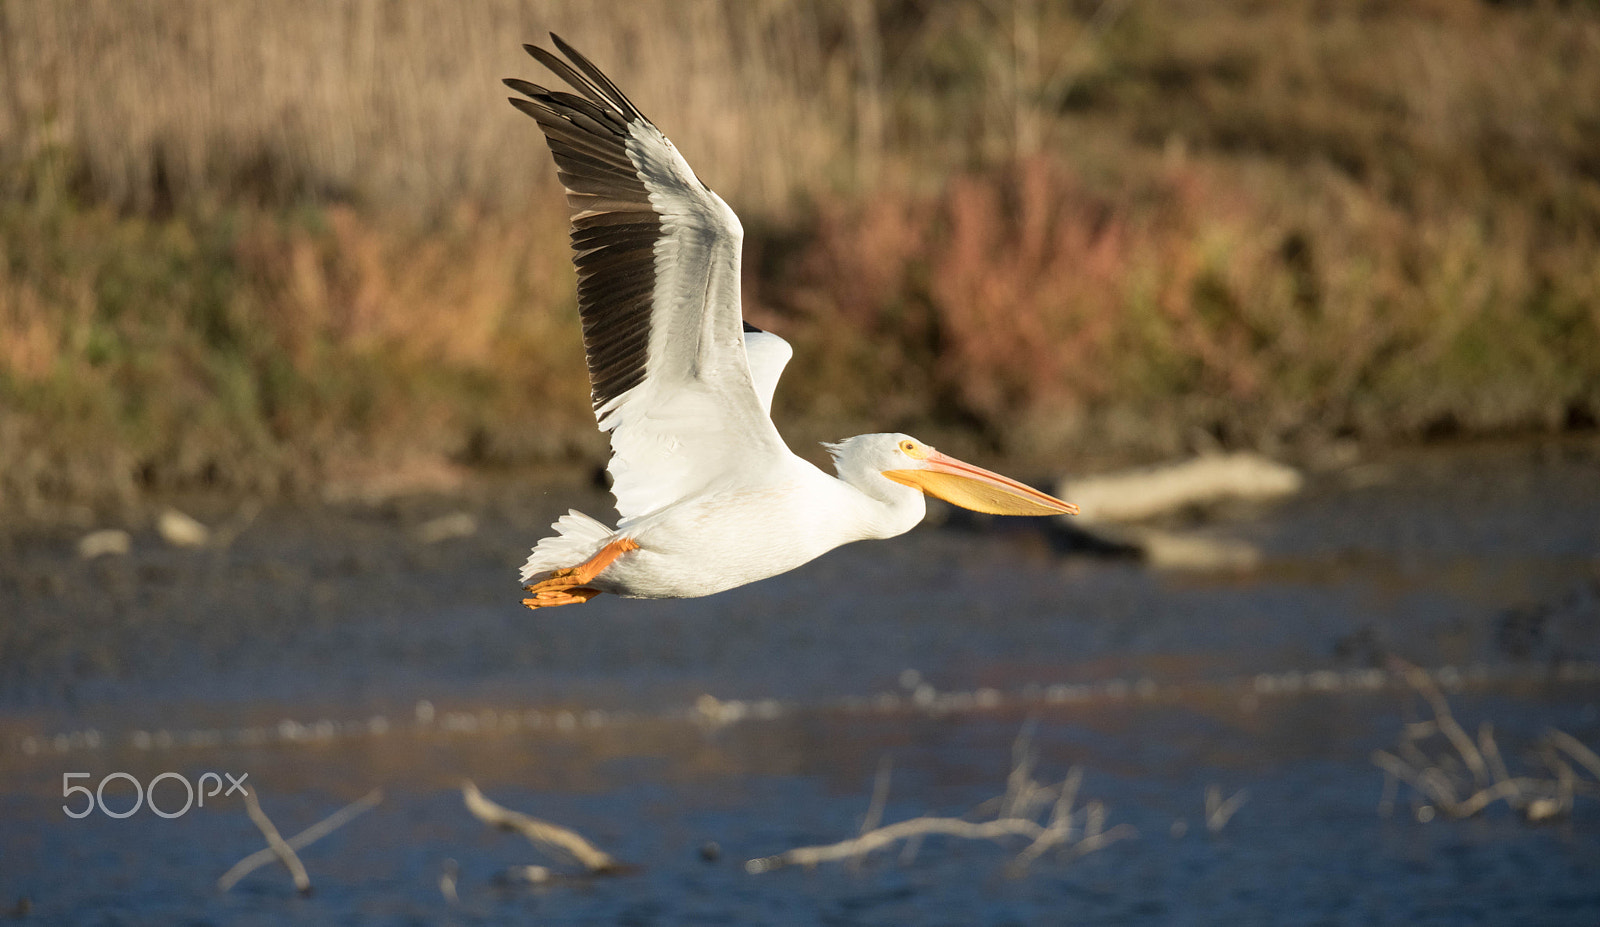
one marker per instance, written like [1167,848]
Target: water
[329,651]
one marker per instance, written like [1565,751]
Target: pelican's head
[907,461]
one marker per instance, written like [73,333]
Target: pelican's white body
[757,524]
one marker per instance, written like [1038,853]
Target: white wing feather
[696,418]
[658,262]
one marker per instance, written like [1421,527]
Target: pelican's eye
[911,449]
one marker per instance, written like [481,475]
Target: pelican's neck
[880,507]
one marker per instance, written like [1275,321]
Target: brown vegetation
[267,246]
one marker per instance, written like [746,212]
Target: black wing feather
[614,227]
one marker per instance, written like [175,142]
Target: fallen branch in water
[1575,749]
[1133,495]
[285,849]
[560,842]
[1472,775]
[1016,812]
[276,843]
[449,875]
[1218,811]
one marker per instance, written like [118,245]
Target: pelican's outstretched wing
[658,289]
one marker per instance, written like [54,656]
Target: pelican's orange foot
[546,597]
[569,586]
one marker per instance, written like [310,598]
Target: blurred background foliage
[273,247]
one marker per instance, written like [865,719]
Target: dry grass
[387,104]
[262,246]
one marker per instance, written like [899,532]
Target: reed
[392,105]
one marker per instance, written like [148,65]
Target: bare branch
[1508,789]
[1017,809]
[1019,783]
[884,836]
[1391,787]
[1104,839]
[1575,749]
[280,847]
[880,794]
[1442,779]
[1218,811]
[551,838]
[448,878]
[299,841]
[1059,830]
[1406,773]
[880,798]
[1491,753]
[1423,683]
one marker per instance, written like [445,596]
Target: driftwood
[893,833]
[1134,495]
[560,842]
[1015,812]
[1472,775]
[113,541]
[275,842]
[1108,502]
[448,876]
[284,850]
[181,530]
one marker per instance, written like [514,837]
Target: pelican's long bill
[960,483]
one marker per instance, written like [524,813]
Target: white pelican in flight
[709,495]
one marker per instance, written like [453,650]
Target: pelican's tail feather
[576,539]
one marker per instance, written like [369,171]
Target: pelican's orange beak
[960,483]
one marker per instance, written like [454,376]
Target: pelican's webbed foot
[569,586]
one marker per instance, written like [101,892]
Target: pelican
[709,495]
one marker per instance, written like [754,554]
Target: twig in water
[884,836]
[1423,683]
[1439,777]
[532,875]
[880,794]
[1391,790]
[1019,783]
[880,798]
[299,841]
[554,839]
[1575,749]
[1218,812]
[279,847]
[1491,754]
[447,881]
[1016,809]
[1059,830]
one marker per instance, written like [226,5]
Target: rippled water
[330,651]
